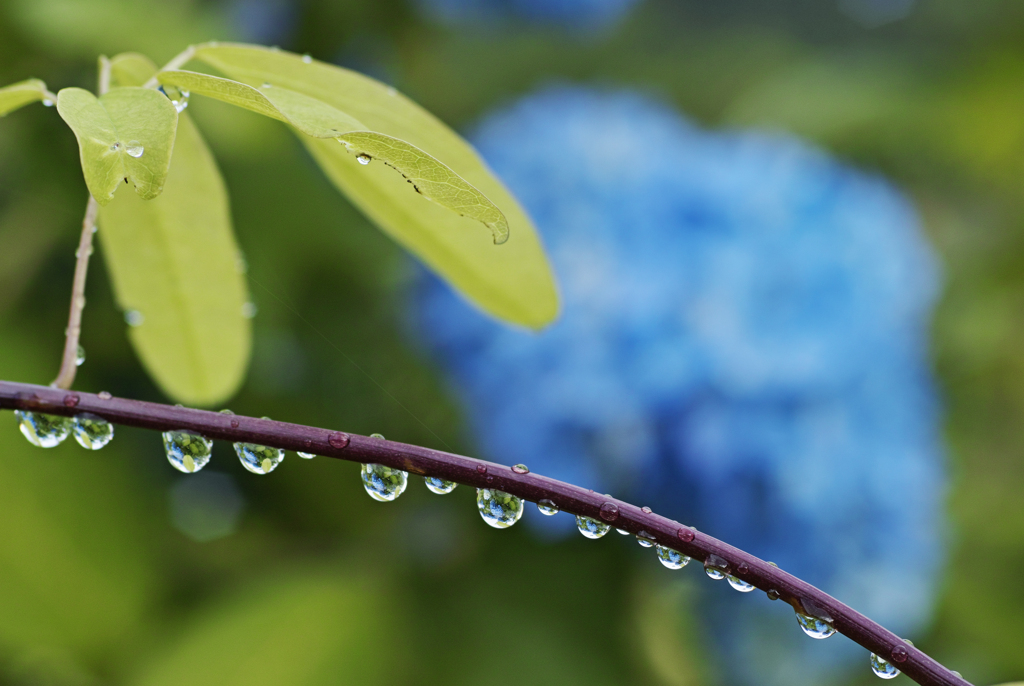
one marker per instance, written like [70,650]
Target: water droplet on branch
[673,559]
[436,484]
[547,507]
[645,539]
[43,430]
[715,567]
[258,459]
[187,452]
[80,356]
[591,528]
[739,584]
[499,509]
[384,484]
[521,469]
[92,432]
[305,456]
[814,627]
[882,668]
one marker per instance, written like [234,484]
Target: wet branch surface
[480,474]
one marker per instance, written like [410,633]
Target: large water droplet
[92,432]
[499,509]
[645,539]
[187,452]
[739,584]
[80,356]
[883,668]
[591,528]
[134,318]
[258,459]
[436,484]
[715,567]
[384,483]
[134,149]
[814,627]
[364,159]
[43,430]
[547,507]
[673,559]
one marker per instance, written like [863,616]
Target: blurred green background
[113,571]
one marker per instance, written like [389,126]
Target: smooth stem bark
[69,361]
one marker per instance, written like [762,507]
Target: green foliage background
[322,585]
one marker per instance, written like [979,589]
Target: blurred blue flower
[575,14]
[743,347]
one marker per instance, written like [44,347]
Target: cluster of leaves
[171,251]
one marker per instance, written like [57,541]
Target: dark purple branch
[465,470]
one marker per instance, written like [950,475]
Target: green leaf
[17,95]
[127,134]
[174,260]
[130,69]
[512,281]
[429,177]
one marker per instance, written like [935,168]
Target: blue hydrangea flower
[743,347]
[576,14]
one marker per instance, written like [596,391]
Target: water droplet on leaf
[739,584]
[673,559]
[814,627]
[134,318]
[436,484]
[43,430]
[134,149]
[547,507]
[364,159]
[591,528]
[187,452]
[249,310]
[92,432]
[882,668]
[499,509]
[308,59]
[258,459]
[383,483]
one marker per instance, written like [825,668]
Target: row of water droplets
[189,453]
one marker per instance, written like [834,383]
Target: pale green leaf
[308,115]
[17,95]
[130,69]
[127,134]
[429,177]
[512,281]
[174,260]
[302,629]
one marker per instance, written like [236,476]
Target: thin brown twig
[480,474]
[69,361]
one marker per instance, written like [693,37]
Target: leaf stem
[69,361]
[179,60]
[480,474]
